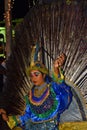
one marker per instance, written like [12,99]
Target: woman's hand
[59,62]
[3,114]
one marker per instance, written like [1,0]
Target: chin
[36,84]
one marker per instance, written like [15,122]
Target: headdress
[35,64]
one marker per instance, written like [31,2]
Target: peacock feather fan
[57,27]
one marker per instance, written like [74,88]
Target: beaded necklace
[38,100]
[44,108]
[39,90]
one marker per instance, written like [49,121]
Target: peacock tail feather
[57,27]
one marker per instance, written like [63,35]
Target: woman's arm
[12,121]
[62,90]
[57,73]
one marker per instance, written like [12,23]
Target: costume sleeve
[20,121]
[64,93]
[13,121]
[58,78]
[62,90]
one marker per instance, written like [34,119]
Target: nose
[33,78]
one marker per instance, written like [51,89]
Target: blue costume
[44,108]
[44,112]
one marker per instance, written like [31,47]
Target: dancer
[46,100]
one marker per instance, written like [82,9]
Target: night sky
[1,9]
[21,7]
[19,10]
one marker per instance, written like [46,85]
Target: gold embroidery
[82,125]
[17,128]
[39,92]
[11,123]
[41,101]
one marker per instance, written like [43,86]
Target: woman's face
[37,77]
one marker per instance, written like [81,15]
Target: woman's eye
[37,73]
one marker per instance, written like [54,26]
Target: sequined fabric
[47,107]
[50,125]
[46,115]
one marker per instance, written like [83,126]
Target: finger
[4,116]
[2,111]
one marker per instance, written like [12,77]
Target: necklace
[38,100]
[40,87]
[39,90]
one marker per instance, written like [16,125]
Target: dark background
[1,9]
[21,7]
[19,10]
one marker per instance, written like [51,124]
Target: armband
[13,122]
[58,78]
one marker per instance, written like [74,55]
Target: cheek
[32,79]
[40,78]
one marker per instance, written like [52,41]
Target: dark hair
[48,79]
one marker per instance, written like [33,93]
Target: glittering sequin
[38,101]
[47,107]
